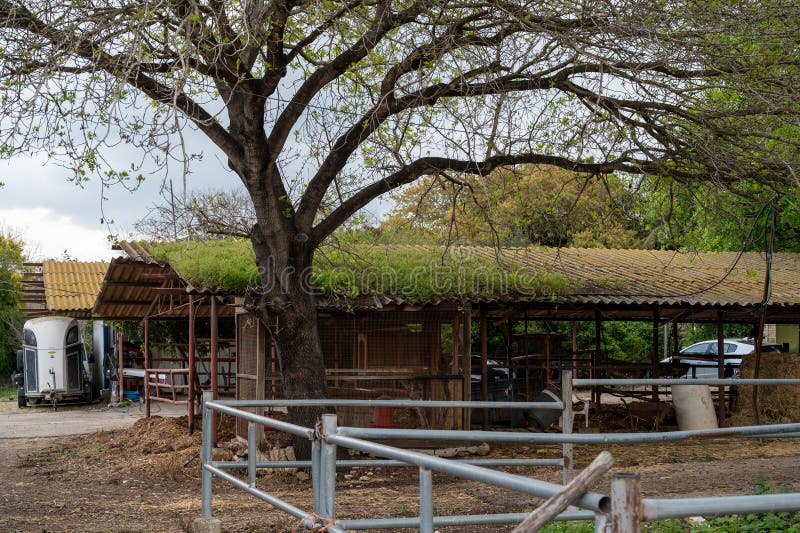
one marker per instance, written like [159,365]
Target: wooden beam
[160,276]
[214,365]
[576,488]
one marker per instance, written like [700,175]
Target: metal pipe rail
[682,381]
[222,407]
[386,463]
[324,440]
[534,487]
[449,521]
[392,403]
[560,438]
[657,509]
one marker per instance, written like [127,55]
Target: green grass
[418,274]
[7,391]
[789,522]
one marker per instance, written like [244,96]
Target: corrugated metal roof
[135,288]
[70,287]
[601,278]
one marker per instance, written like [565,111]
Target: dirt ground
[147,478]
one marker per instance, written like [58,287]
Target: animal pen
[621,512]
[385,345]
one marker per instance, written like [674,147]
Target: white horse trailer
[55,365]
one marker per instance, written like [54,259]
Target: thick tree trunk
[288,308]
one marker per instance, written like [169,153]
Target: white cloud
[47,234]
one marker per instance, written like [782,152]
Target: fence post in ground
[329,466]
[252,442]
[316,481]
[626,503]
[602,523]
[566,423]
[206,524]
[425,500]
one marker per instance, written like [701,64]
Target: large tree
[319,107]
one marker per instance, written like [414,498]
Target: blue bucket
[131,395]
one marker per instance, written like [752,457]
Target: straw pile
[777,404]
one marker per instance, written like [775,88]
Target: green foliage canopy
[11,257]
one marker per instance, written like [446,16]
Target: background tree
[320,107]
[11,257]
[541,205]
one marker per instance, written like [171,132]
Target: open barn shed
[413,321]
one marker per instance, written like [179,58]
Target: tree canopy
[11,256]
[515,207]
[321,107]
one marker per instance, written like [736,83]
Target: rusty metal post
[484,365]
[147,367]
[626,503]
[214,363]
[120,364]
[721,365]
[190,406]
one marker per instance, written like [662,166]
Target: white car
[702,357]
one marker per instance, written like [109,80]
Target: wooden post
[546,512]
[214,365]
[654,353]
[598,332]
[190,399]
[675,347]
[484,364]
[120,366]
[626,503]
[575,348]
[147,367]
[721,365]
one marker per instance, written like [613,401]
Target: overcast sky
[58,219]
[54,217]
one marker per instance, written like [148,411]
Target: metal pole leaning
[251,453]
[329,465]
[566,424]
[425,500]
[205,458]
[626,503]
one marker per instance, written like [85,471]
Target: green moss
[414,273]
[225,264]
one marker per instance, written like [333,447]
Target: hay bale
[777,404]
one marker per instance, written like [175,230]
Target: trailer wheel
[21,397]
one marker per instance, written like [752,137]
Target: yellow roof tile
[72,285]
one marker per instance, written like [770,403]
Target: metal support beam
[425,500]
[329,466]
[252,441]
[146,367]
[205,459]
[485,364]
[214,362]
[192,370]
[721,364]
[566,424]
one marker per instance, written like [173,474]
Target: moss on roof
[414,273]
